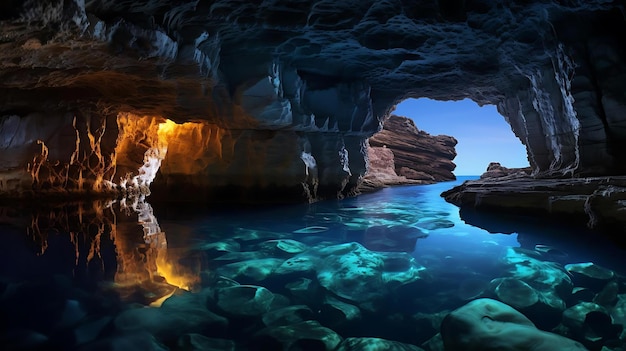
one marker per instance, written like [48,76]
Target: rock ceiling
[276,84]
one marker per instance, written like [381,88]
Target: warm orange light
[166,128]
[175,275]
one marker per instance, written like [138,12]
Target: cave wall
[285,93]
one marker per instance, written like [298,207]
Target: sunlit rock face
[281,95]
[417,154]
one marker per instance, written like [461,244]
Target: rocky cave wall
[279,96]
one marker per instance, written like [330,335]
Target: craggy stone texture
[594,201]
[496,170]
[381,171]
[287,92]
[417,154]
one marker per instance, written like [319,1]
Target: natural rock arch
[276,84]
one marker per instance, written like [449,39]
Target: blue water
[401,257]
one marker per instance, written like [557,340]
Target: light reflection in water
[147,270]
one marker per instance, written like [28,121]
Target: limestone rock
[591,201]
[381,170]
[244,300]
[374,344]
[416,154]
[496,170]
[308,335]
[590,275]
[486,324]
[273,101]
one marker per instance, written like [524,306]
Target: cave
[260,137]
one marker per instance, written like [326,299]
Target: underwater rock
[189,315]
[374,344]
[589,275]
[288,315]
[308,335]
[23,339]
[216,248]
[199,342]
[304,289]
[89,331]
[490,325]
[582,295]
[248,236]
[352,272]
[607,297]
[434,223]
[138,340]
[239,256]
[250,270]
[592,321]
[434,344]
[541,275]
[472,288]
[400,268]
[284,246]
[515,293]
[300,264]
[392,238]
[548,279]
[244,300]
[311,230]
[335,313]
[550,251]
[72,313]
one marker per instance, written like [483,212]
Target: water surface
[389,265]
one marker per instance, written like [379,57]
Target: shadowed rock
[274,100]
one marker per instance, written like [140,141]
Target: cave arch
[556,78]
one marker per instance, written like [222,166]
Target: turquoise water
[388,265]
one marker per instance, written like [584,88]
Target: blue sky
[483,134]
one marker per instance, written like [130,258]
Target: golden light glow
[166,128]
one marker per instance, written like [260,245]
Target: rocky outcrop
[496,170]
[274,99]
[416,154]
[381,171]
[591,201]
[486,324]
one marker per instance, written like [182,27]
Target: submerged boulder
[590,275]
[307,335]
[490,325]
[244,300]
[374,344]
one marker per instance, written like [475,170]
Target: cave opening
[483,135]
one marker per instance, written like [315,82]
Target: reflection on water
[145,270]
[380,269]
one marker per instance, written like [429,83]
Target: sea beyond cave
[380,271]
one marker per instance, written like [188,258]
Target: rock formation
[278,97]
[486,325]
[416,154]
[496,170]
[597,202]
[401,154]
